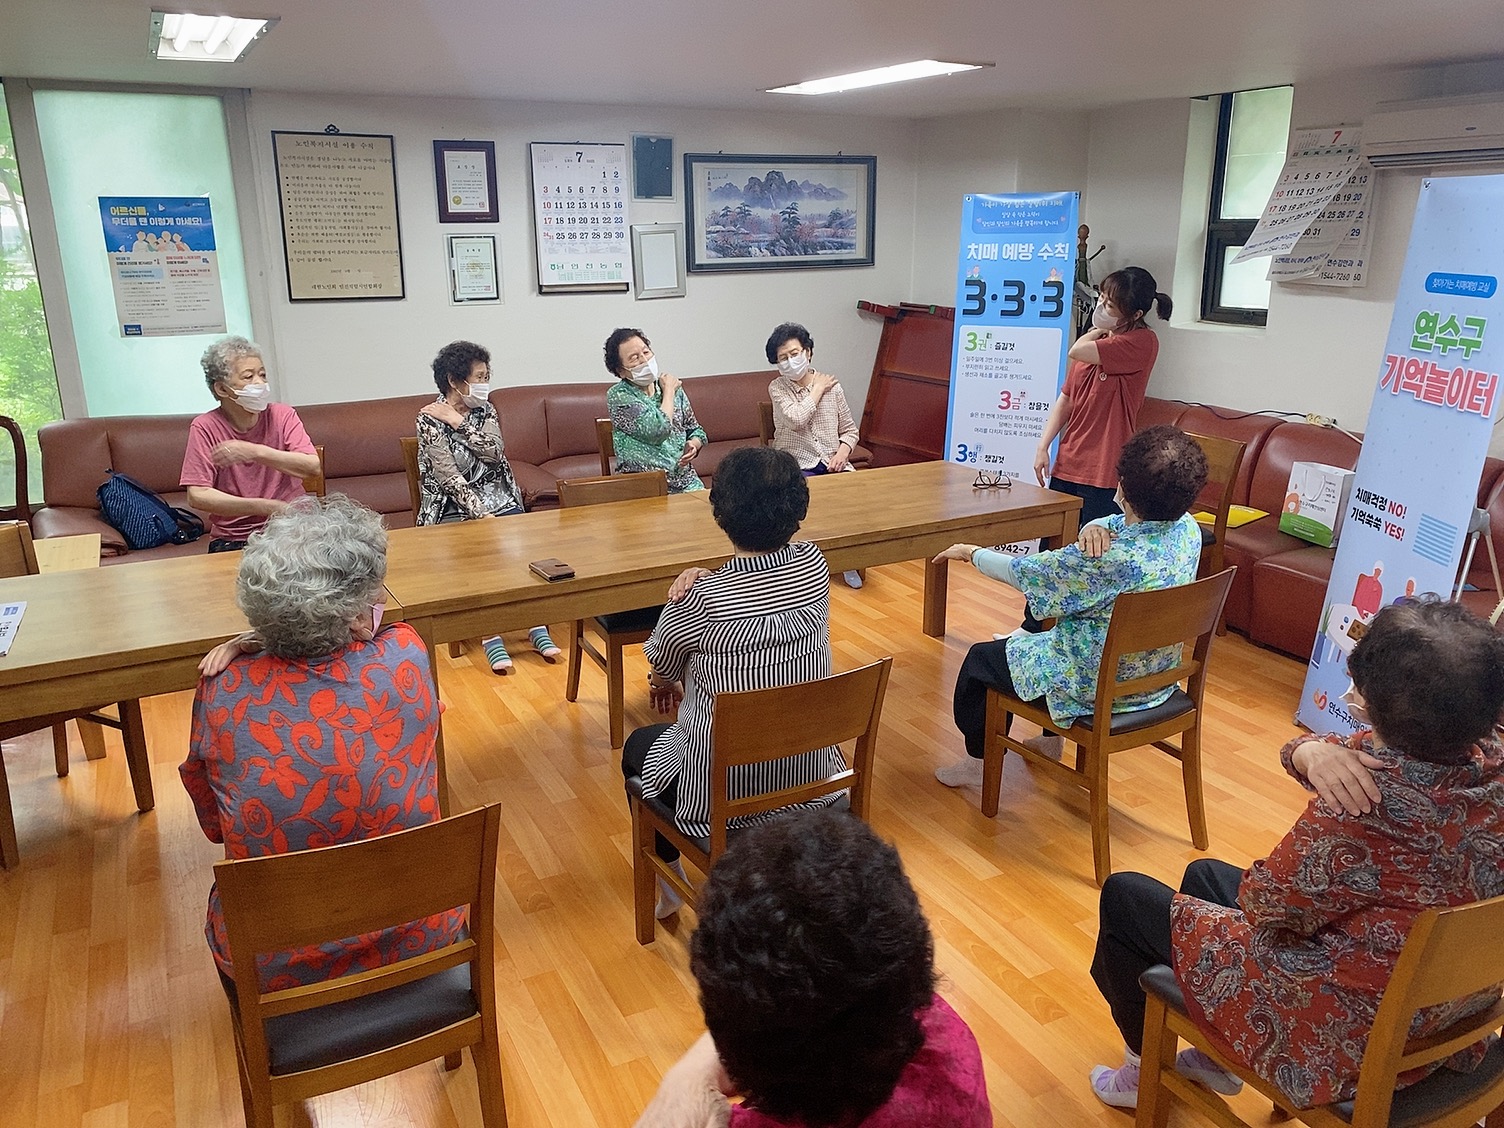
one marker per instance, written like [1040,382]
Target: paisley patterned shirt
[463,471]
[291,755]
[646,439]
[1061,664]
[1289,984]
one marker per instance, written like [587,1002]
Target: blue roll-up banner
[1435,397]
[1014,286]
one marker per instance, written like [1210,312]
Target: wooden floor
[111,1014]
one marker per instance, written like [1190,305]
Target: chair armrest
[634,786]
[1159,981]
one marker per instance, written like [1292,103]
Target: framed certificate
[473,273]
[464,174]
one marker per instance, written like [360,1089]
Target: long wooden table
[135,630]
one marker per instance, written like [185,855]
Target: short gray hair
[310,573]
[224,352]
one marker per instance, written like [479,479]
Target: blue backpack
[143,518]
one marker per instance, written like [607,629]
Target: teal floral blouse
[1061,664]
[646,439]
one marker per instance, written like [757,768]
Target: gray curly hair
[224,352]
[308,575]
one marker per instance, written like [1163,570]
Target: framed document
[473,274]
[773,212]
[658,259]
[464,173]
[338,194]
[652,167]
[580,194]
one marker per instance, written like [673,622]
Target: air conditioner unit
[1454,131]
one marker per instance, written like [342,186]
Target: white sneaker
[1197,1066]
[669,902]
[852,577]
[965,772]
[1050,745]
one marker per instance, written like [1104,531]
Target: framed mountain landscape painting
[759,212]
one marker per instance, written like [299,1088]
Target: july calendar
[580,195]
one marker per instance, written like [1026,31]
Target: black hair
[1162,471]
[455,360]
[788,331]
[758,497]
[1133,290]
[1432,678]
[814,961]
[612,349]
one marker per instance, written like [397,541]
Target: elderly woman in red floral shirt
[318,727]
[1283,965]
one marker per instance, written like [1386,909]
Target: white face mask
[254,397]
[645,373]
[1355,708]
[477,394]
[1101,319]
[794,366]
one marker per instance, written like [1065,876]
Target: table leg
[133,735]
[936,579]
[424,627]
[10,853]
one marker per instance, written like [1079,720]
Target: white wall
[331,351]
[1321,347]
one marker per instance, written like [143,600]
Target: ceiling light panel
[881,76]
[188,37]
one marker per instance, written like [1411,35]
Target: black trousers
[634,754]
[985,666]
[1096,502]
[1134,934]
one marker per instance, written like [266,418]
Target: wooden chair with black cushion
[765,422]
[415,497]
[21,509]
[754,727]
[1145,620]
[1449,955]
[1224,457]
[18,557]
[605,441]
[619,629]
[298,1042]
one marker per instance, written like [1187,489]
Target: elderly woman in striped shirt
[811,419]
[759,620]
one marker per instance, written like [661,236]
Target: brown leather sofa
[1280,588]
[549,431]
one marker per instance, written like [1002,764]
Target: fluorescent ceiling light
[902,72]
[215,39]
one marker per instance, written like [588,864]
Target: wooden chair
[752,728]
[21,510]
[619,629]
[1449,954]
[415,499]
[18,557]
[1144,620]
[765,422]
[1224,457]
[314,483]
[299,1042]
[606,442]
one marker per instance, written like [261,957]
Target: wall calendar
[580,195]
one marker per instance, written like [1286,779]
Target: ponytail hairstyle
[1134,291]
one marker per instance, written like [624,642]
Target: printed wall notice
[1013,305]
[338,193]
[1321,161]
[1334,250]
[163,265]
[580,195]
[1436,394]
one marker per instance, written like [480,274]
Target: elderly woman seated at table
[760,620]
[1152,544]
[1283,964]
[817,977]
[318,727]
[652,425]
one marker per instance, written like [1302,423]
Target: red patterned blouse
[291,755]
[1289,984]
